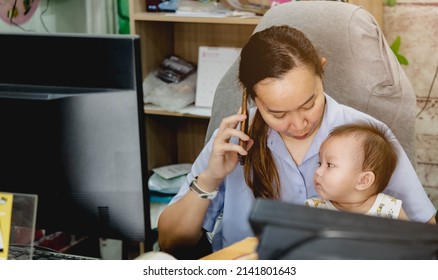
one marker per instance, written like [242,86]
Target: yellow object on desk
[242,250]
[6,200]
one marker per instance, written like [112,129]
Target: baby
[356,164]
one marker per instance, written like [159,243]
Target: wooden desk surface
[242,250]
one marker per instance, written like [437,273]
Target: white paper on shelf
[213,63]
[174,170]
[198,14]
[190,110]
[196,110]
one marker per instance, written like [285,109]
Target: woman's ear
[366,180]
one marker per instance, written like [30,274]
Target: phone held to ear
[244,124]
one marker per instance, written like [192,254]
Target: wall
[375,7]
[416,22]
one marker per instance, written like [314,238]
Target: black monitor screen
[288,231]
[71,121]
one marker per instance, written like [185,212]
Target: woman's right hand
[181,222]
[224,155]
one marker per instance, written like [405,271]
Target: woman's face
[292,105]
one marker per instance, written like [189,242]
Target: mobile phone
[244,124]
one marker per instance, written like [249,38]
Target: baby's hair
[379,153]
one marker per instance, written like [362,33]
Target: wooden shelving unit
[174,137]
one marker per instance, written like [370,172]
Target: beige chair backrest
[362,71]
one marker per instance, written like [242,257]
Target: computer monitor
[72,132]
[288,231]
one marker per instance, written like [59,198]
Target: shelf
[165,17]
[190,111]
[178,137]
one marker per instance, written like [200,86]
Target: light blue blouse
[235,198]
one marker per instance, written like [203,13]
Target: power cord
[430,92]
[41,16]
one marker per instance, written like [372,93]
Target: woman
[282,73]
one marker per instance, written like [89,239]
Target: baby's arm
[402,215]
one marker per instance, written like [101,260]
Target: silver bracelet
[201,193]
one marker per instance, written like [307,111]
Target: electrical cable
[430,92]
[41,16]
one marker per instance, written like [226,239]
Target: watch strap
[202,193]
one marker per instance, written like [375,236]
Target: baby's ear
[323,62]
[366,180]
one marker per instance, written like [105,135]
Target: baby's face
[339,168]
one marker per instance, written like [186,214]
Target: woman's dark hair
[270,53]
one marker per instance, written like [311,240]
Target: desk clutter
[177,83]
[167,179]
[172,85]
[242,8]
[163,184]
[223,8]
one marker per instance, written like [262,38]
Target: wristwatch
[201,193]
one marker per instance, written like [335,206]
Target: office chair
[362,71]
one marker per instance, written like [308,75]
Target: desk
[242,250]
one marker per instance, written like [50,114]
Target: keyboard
[17,252]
